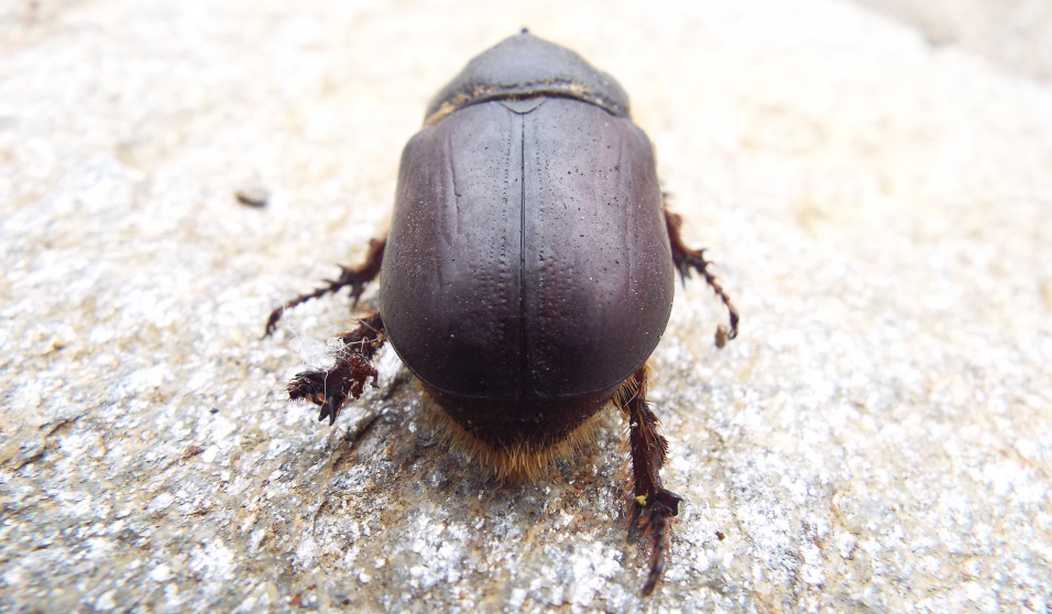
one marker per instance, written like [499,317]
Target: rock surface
[879,437]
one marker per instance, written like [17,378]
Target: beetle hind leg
[689,260]
[354,277]
[330,388]
[652,505]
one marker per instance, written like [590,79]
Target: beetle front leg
[329,388]
[688,260]
[651,505]
[355,277]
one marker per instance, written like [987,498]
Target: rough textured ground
[879,437]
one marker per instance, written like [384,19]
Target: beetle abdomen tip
[524,460]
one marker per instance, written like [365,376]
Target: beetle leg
[651,505]
[688,260]
[329,388]
[355,277]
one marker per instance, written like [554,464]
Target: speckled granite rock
[879,437]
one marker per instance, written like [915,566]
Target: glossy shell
[523,66]
[528,257]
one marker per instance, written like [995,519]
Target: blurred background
[871,177]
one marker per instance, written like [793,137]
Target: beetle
[528,272]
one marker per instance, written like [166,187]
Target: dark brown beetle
[528,273]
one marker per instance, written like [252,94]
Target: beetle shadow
[587,475]
[396,452]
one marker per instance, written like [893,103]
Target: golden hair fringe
[521,462]
[631,388]
[525,461]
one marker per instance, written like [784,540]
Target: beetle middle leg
[688,260]
[329,388]
[355,277]
[651,506]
